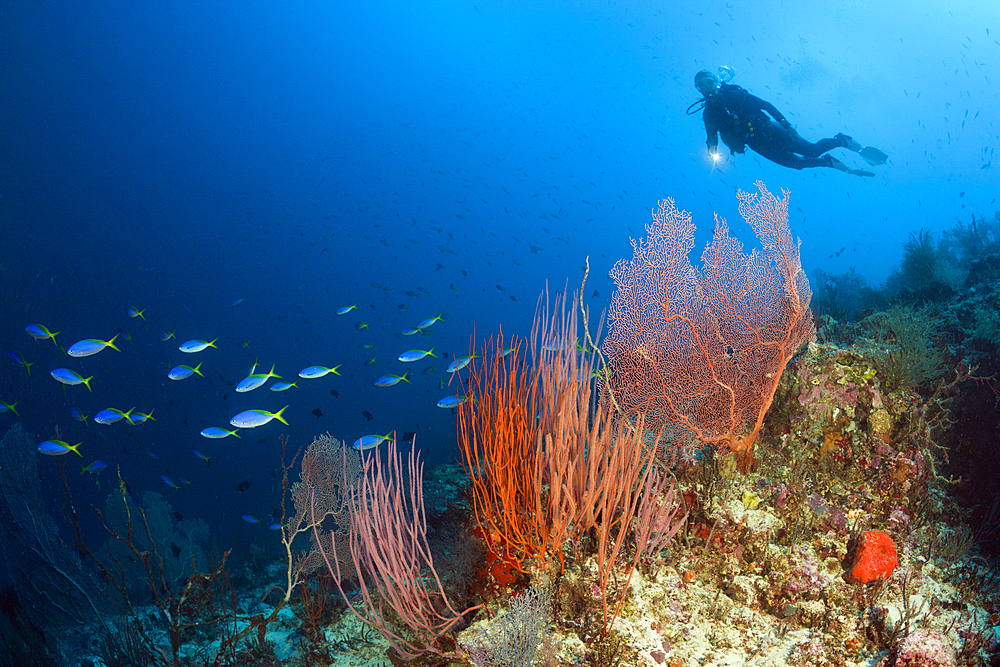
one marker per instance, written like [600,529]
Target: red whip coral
[874,558]
[700,351]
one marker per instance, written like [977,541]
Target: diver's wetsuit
[739,118]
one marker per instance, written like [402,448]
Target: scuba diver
[738,116]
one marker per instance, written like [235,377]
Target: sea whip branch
[392,558]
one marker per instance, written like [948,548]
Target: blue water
[180,157]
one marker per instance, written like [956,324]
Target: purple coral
[805,580]
[925,648]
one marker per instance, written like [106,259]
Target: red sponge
[874,558]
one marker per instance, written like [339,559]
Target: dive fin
[836,164]
[873,156]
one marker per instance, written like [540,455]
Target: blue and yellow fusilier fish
[255,380]
[72,378]
[111,415]
[214,432]
[169,482]
[452,401]
[343,310]
[78,414]
[313,372]
[283,386]
[249,519]
[182,371]
[132,312]
[206,459]
[91,346]
[95,467]
[139,417]
[366,442]
[416,355]
[39,332]
[196,345]
[429,321]
[255,418]
[409,331]
[58,448]
[19,359]
[4,407]
[390,380]
[166,335]
[458,363]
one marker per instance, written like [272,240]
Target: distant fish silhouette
[317,412]
[367,415]
[243,486]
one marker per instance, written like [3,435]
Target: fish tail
[278,416]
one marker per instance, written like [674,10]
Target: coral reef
[561,540]
[762,569]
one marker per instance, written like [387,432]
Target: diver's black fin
[834,163]
[873,156]
[848,142]
[837,164]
